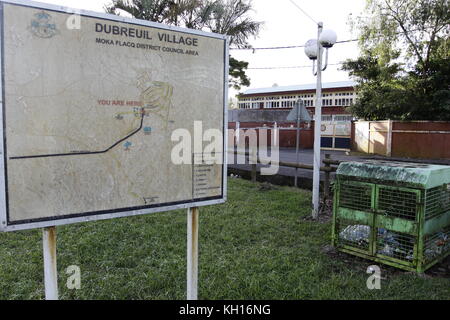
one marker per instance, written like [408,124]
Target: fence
[329,166]
[413,139]
[286,133]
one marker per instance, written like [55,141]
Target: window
[343,117]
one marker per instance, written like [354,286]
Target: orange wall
[287,135]
[413,139]
[422,140]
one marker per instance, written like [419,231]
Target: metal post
[192,253]
[50,272]
[317,128]
[254,161]
[326,184]
[389,139]
[297,144]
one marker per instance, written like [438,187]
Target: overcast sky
[284,25]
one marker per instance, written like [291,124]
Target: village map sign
[88,112]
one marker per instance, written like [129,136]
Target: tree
[237,74]
[403,67]
[228,17]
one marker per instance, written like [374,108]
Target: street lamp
[314,51]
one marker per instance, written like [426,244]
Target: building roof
[311,86]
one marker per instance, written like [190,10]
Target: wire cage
[394,213]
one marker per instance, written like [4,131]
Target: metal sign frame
[112,213]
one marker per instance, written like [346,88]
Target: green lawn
[255,246]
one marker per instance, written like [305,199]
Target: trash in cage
[393,212]
[356,233]
[394,245]
[438,246]
[389,242]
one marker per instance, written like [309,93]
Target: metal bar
[419,244]
[373,224]
[192,253]
[105,216]
[335,149]
[317,128]
[50,271]
[225,119]
[386,260]
[413,131]
[326,183]
[334,235]
[253,173]
[332,161]
[389,140]
[254,161]
[292,164]
[297,143]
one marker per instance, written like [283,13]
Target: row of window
[287,104]
[290,103]
[337,102]
[343,102]
[336,117]
[294,97]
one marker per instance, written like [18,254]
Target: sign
[336,135]
[299,113]
[89,105]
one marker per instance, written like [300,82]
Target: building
[335,97]
[336,121]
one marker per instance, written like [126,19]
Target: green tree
[402,71]
[238,77]
[230,17]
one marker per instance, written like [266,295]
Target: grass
[255,246]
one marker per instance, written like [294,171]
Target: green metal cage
[394,213]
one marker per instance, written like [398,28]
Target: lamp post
[314,51]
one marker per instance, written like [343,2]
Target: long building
[335,97]
[265,103]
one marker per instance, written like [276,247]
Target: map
[89,113]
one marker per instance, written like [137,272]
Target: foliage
[403,70]
[228,17]
[237,73]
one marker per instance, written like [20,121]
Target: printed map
[89,113]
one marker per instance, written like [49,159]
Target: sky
[284,25]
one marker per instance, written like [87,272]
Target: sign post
[50,270]
[300,114]
[192,253]
[95,119]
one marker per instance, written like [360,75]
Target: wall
[286,133]
[413,139]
